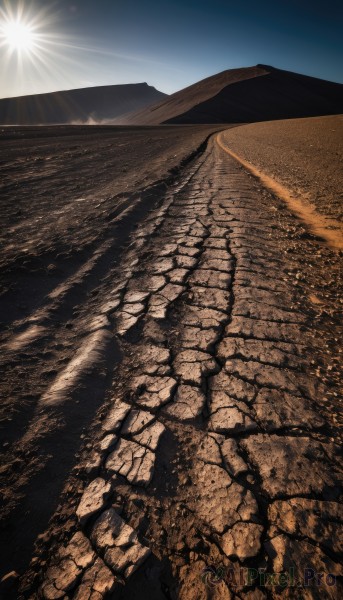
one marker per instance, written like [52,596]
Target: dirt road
[188,429]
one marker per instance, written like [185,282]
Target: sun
[18,36]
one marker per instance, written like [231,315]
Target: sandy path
[304,155]
[329,230]
[209,351]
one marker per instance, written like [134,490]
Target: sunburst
[18,35]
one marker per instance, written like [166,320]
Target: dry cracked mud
[208,359]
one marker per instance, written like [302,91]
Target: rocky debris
[69,564]
[93,499]
[153,392]
[133,461]
[188,403]
[118,543]
[243,540]
[97,581]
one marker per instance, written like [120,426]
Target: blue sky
[167,44]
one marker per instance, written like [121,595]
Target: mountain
[260,93]
[81,105]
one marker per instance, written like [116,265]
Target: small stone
[8,581]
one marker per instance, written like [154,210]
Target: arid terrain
[171,365]
[259,93]
[302,154]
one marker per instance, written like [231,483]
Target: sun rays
[18,36]
[33,47]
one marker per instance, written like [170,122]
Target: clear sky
[50,45]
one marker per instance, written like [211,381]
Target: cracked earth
[216,350]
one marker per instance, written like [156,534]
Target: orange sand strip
[330,230]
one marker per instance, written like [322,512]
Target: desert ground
[302,154]
[171,363]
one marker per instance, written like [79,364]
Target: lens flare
[19,36]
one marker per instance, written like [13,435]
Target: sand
[305,155]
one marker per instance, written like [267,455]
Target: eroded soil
[172,405]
